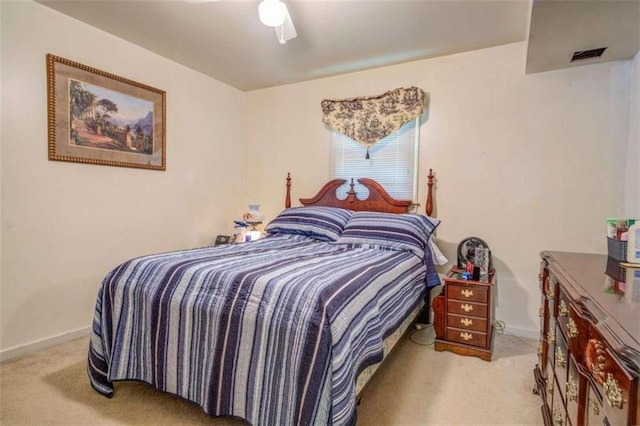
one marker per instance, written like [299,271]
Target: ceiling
[560,28]
[225,39]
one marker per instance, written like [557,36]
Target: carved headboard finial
[351,195]
[429,206]
[287,199]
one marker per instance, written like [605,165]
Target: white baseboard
[29,348]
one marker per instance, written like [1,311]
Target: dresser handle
[572,389]
[551,337]
[541,312]
[560,358]
[466,336]
[550,385]
[558,418]
[612,392]
[466,322]
[596,363]
[572,329]
[465,307]
[539,350]
[595,407]
[467,293]
[563,310]
[549,293]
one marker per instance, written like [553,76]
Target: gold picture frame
[95,117]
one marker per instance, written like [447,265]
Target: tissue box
[617,249]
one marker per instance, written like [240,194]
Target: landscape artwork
[100,118]
[104,119]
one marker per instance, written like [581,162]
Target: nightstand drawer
[467,337]
[469,293]
[467,322]
[467,308]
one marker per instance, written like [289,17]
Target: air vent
[581,55]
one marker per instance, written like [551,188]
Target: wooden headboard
[379,200]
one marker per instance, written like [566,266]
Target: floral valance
[367,120]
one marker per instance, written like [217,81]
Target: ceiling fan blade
[287,30]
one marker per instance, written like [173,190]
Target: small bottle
[633,243]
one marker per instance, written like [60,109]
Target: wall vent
[587,54]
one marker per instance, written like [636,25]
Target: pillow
[397,231]
[322,223]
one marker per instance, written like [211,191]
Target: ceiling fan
[272,13]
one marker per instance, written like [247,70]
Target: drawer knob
[466,322]
[540,350]
[466,336]
[572,389]
[595,407]
[541,312]
[550,385]
[563,310]
[561,360]
[612,392]
[572,329]
[467,293]
[466,307]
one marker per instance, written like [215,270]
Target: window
[393,162]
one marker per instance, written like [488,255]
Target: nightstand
[463,315]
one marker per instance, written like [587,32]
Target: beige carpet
[417,386]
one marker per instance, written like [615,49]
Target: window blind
[392,162]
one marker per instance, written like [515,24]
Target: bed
[280,331]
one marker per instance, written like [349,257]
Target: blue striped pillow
[322,223]
[396,231]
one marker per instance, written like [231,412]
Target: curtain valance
[367,120]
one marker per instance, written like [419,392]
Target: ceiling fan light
[272,12]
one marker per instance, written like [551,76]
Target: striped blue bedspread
[274,331]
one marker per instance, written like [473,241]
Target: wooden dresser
[589,353]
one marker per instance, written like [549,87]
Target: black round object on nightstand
[466,251]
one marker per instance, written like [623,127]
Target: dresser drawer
[561,363]
[550,384]
[559,411]
[573,391]
[469,293]
[594,410]
[467,322]
[573,325]
[467,308]
[467,337]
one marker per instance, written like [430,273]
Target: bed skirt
[387,345]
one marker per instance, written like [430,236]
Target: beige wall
[632,191]
[65,225]
[525,162]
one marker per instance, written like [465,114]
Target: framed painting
[100,118]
